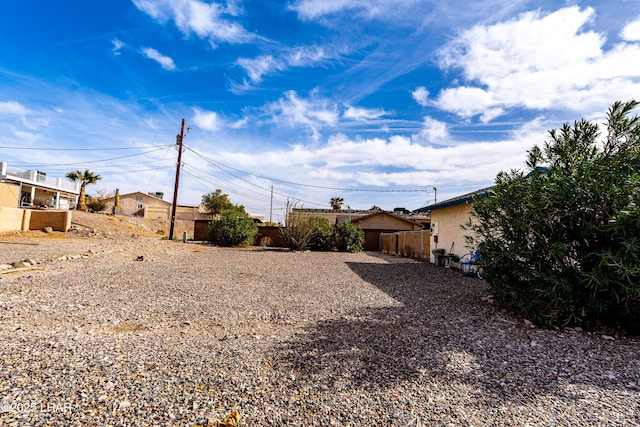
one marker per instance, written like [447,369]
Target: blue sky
[377,101]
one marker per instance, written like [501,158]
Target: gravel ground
[150,332]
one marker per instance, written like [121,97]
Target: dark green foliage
[322,234]
[216,202]
[233,227]
[349,238]
[561,244]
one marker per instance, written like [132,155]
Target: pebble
[287,339]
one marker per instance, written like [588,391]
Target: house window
[140,206]
[380,218]
[139,199]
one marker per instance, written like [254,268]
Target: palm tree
[86,177]
[375,208]
[336,202]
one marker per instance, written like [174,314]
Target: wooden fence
[412,244]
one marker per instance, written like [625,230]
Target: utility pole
[435,195]
[175,190]
[271,207]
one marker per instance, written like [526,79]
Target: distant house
[446,219]
[334,216]
[153,207]
[382,222]
[371,222]
[31,188]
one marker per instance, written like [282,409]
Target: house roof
[376,213]
[459,200]
[136,193]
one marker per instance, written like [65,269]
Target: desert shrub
[233,227]
[322,234]
[297,230]
[561,243]
[95,204]
[349,238]
[265,241]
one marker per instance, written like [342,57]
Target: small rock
[48,229]
[608,338]
[20,264]
[5,266]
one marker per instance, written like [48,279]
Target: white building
[31,188]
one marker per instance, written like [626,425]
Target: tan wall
[191,213]
[157,212]
[9,195]
[12,219]
[58,220]
[445,223]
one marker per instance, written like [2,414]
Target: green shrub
[233,227]
[561,244]
[349,238]
[322,234]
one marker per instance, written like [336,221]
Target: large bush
[233,227]
[561,242]
[322,234]
[349,238]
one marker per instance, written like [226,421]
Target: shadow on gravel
[445,335]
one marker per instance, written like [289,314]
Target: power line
[101,160]
[220,166]
[84,149]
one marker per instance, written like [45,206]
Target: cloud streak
[164,61]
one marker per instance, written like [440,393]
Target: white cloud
[305,55]
[538,61]
[206,20]
[165,61]
[631,31]
[13,108]
[434,131]
[259,66]
[295,111]
[421,95]
[268,64]
[207,120]
[314,9]
[117,46]
[364,114]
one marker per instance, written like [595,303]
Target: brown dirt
[130,224]
[120,225]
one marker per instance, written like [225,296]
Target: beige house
[446,220]
[153,207]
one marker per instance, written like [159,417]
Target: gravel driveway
[149,332]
